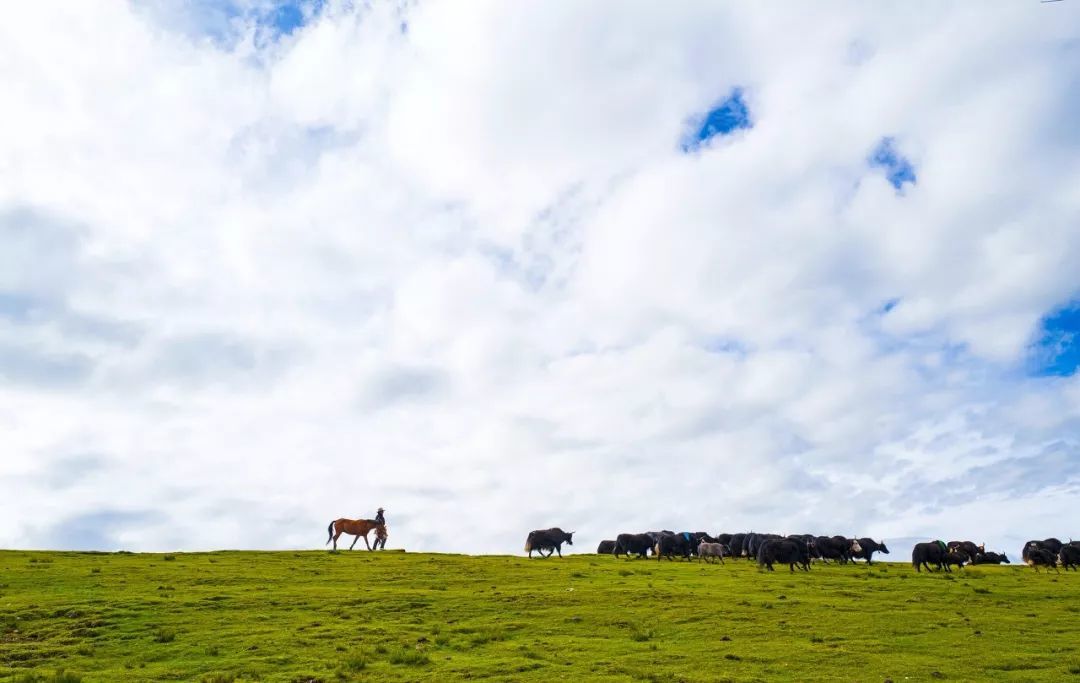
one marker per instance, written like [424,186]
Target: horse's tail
[330,533]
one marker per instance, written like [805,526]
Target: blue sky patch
[219,18]
[726,117]
[286,17]
[898,170]
[1057,350]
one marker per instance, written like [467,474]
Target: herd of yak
[798,550]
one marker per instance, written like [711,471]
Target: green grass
[233,617]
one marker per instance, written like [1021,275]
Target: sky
[612,267]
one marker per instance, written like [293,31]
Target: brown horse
[359,528]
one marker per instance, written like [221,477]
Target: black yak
[632,544]
[957,557]
[990,558]
[736,544]
[867,548]
[548,539]
[1050,544]
[1069,556]
[925,554]
[837,548]
[670,545]
[968,547]
[784,551]
[1040,557]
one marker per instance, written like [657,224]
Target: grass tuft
[640,634]
[409,657]
[164,635]
[355,662]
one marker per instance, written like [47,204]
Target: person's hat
[381,510]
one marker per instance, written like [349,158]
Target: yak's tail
[330,533]
[528,543]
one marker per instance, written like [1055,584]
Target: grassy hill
[317,616]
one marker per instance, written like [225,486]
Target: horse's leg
[366,541]
[355,538]
[336,536]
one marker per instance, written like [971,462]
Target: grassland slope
[318,616]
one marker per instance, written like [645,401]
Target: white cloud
[463,271]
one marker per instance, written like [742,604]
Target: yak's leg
[558,549]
